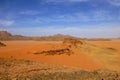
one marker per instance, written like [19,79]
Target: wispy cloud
[78,17]
[6,22]
[61,1]
[114,2]
[30,12]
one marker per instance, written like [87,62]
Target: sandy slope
[110,58]
[107,44]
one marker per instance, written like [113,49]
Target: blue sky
[82,18]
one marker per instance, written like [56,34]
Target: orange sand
[25,50]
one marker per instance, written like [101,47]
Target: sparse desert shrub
[32,74]
[77,75]
[113,49]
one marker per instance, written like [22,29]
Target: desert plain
[67,56]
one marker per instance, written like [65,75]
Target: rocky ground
[12,69]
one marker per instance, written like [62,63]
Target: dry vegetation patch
[28,70]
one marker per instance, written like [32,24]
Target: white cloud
[30,12]
[114,2]
[6,22]
[101,15]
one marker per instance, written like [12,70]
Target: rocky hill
[57,37]
[4,35]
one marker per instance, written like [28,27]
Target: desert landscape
[59,39]
[31,59]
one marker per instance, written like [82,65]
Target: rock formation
[2,44]
[66,51]
[72,42]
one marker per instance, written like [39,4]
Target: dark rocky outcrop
[72,42]
[2,44]
[66,51]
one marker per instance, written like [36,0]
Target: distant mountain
[57,37]
[4,35]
